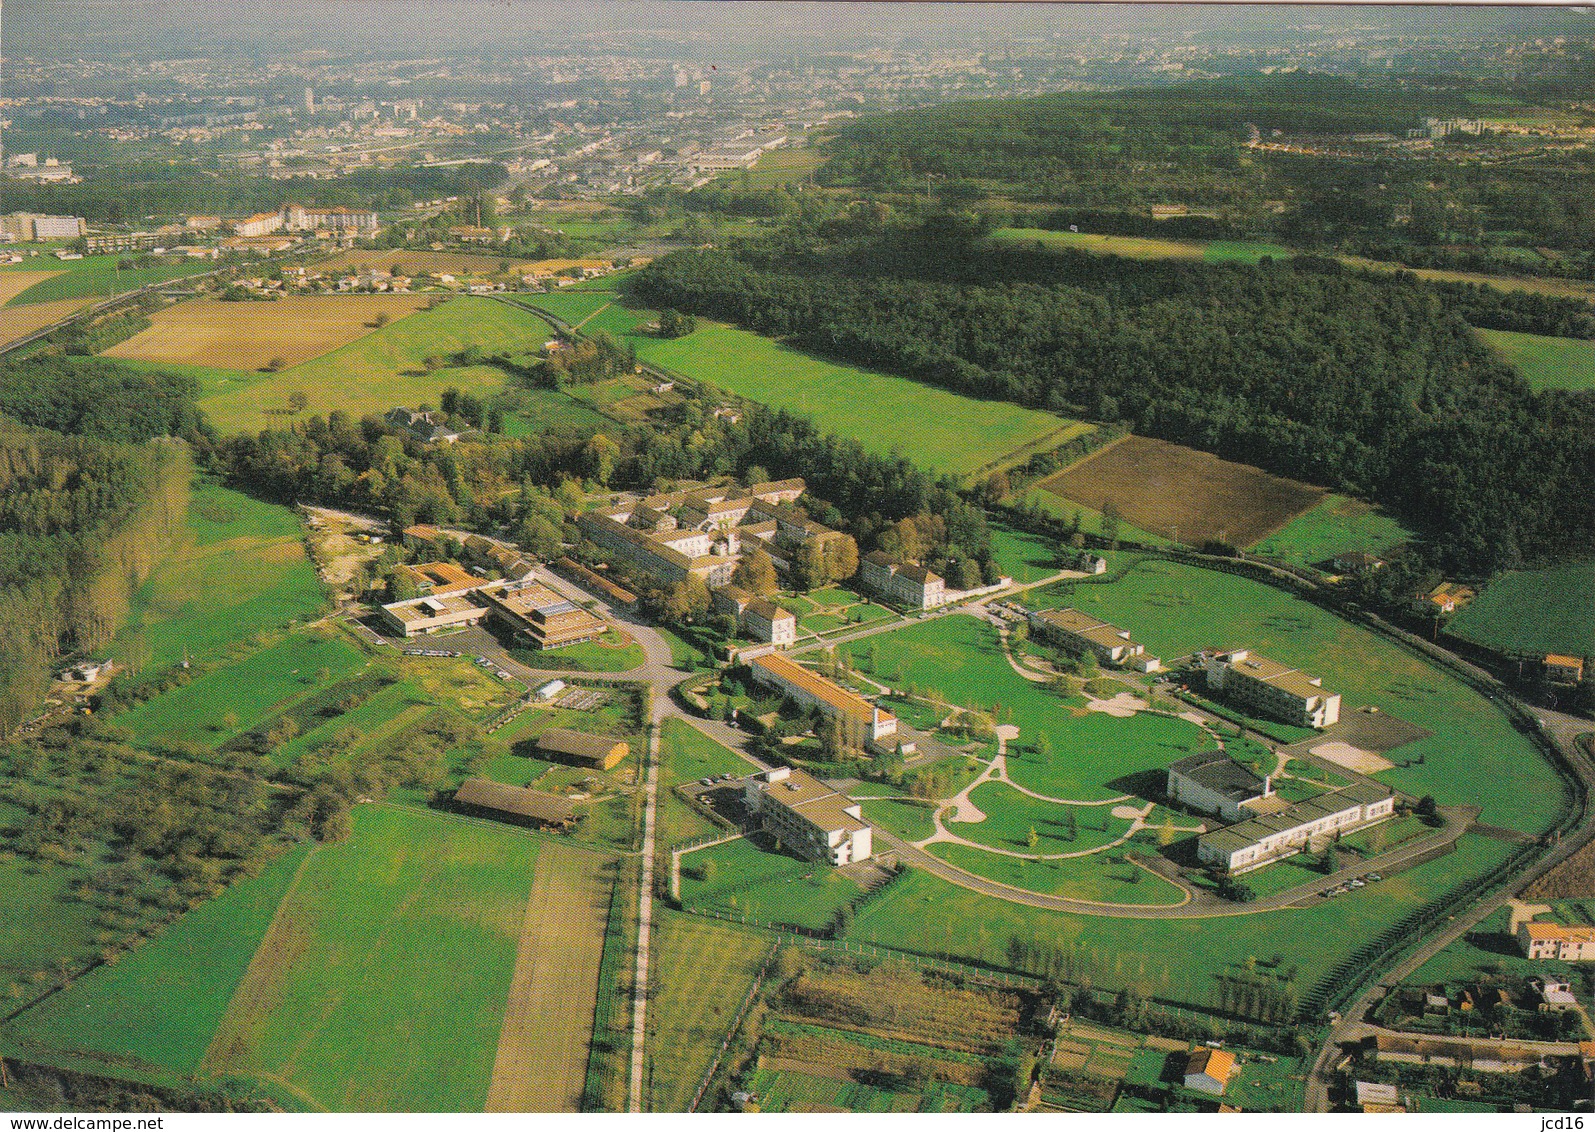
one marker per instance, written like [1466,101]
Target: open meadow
[1142,247]
[1337,525]
[1169,488]
[1546,362]
[251,335]
[98,277]
[1533,612]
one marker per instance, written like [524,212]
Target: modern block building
[298,218]
[432,613]
[539,617]
[1271,689]
[902,583]
[808,816]
[1260,840]
[1080,632]
[260,224]
[812,690]
[1214,783]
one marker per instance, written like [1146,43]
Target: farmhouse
[597,751]
[1271,689]
[519,804]
[1260,840]
[1448,597]
[1564,669]
[808,816]
[809,690]
[538,616]
[428,427]
[1573,943]
[1209,1071]
[1214,783]
[903,583]
[1080,632]
[1496,1058]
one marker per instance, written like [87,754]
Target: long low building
[540,617]
[1261,840]
[808,816]
[434,612]
[1080,632]
[601,752]
[1214,783]
[812,690]
[516,803]
[1269,688]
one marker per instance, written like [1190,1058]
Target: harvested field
[248,336]
[13,283]
[1164,487]
[450,263]
[541,1065]
[897,1003]
[17,322]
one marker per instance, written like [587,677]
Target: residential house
[429,427]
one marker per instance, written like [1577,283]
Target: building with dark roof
[601,752]
[1261,840]
[1214,783]
[519,804]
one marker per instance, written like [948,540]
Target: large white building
[1214,783]
[1271,689]
[1082,633]
[260,224]
[1261,840]
[809,689]
[901,582]
[808,816]
[761,618]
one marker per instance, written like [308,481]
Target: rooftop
[1292,680]
[1218,772]
[567,742]
[517,800]
[817,686]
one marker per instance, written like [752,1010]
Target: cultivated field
[20,321]
[935,428]
[97,276]
[1337,525]
[541,1063]
[250,335]
[1546,362]
[1167,488]
[412,262]
[13,283]
[1533,612]
[383,982]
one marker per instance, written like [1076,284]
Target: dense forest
[89,397]
[1375,386]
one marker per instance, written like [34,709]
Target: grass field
[575,307]
[1141,247]
[1546,363]
[704,970]
[96,276]
[239,566]
[1338,525]
[1187,494]
[376,372]
[222,704]
[161,1005]
[937,429]
[1533,284]
[1080,878]
[1533,612]
[615,651]
[248,335]
[383,981]
[1023,556]
[778,167]
[13,283]
[1175,610]
[745,879]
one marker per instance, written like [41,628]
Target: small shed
[549,690]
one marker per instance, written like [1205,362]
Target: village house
[808,816]
[1564,669]
[1268,688]
[1209,1071]
[1571,943]
[1448,597]
[429,427]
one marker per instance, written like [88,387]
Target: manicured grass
[97,275]
[383,983]
[935,428]
[1174,958]
[778,167]
[689,754]
[704,969]
[374,373]
[613,652]
[1023,556]
[766,886]
[1533,612]
[1337,525]
[1081,878]
[248,690]
[1175,610]
[1011,815]
[161,1005]
[906,819]
[238,567]
[1547,363]
[1488,949]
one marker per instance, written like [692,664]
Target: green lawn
[1546,362]
[704,969]
[1082,878]
[248,690]
[1175,610]
[397,948]
[530,411]
[613,652]
[97,275]
[1011,815]
[41,921]
[906,819]
[1337,525]
[573,306]
[937,429]
[239,566]
[1533,612]
[379,370]
[764,885]
[161,1005]
[1023,556]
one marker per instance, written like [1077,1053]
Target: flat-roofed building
[1080,632]
[1214,783]
[601,752]
[905,583]
[808,816]
[1260,840]
[437,578]
[809,689]
[260,224]
[1271,689]
[430,614]
[518,804]
[538,616]
[1572,943]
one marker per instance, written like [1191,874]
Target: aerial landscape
[671,557]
